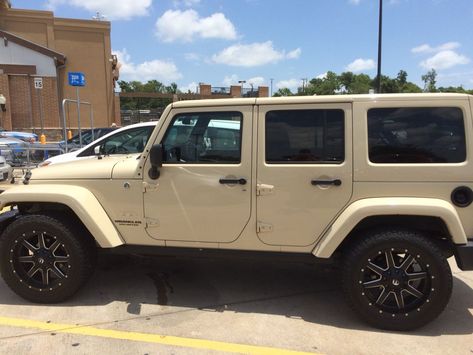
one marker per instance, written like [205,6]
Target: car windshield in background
[125,142]
[87,136]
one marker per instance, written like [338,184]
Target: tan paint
[361,209]
[122,186]
[78,198]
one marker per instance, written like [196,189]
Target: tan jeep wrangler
[384,182]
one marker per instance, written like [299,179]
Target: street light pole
[380,42]
[241,82]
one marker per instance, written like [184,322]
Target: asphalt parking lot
[144,305]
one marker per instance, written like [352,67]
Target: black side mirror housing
[156,159]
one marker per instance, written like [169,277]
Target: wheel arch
[423,214]
[63,198]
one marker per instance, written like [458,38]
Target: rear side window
[305,136]
[416,135]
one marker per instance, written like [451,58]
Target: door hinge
[263,189]
[149,187]
[151,222]
[264,227]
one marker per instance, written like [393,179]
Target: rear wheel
[396,279]
[43,260]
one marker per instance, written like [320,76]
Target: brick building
[35,44]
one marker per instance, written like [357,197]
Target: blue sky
[223,41]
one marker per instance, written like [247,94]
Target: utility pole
[304,84]
[380,41]
[271,86]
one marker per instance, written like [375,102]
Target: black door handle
[335,182]
[241,181]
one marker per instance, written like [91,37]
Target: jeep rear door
[304,176]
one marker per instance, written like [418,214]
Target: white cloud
[426,48]
[291,84]
[256,81]
[124,10]
[192,87]
[321,76]
[252,55]
[177,25]
[296,53]
[230,80]
[162,70]
[188,3]
[444,60]
[233,80]
[360,64]
[192,57]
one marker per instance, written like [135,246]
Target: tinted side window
[416,135]
[208,137]
[305,136]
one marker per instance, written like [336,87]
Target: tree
[355,83]
[152,86]
[401,78]
[329,85]
[283,92]
[430,80]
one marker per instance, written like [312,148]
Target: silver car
[5,169]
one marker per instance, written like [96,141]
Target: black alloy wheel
[40,259]
[396,279]
[44,260]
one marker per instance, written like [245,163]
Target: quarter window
[416,135]
[305,136]
[208,137]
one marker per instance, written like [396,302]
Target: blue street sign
[76,79]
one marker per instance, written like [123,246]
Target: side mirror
[156,159]
[97,152]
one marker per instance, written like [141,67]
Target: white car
[126,140]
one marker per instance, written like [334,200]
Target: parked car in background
[87,137]
[13,150]
[5,169]
[24,136]
[125,140]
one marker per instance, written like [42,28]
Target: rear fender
[365,208]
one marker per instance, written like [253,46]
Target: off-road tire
[67,267]
[411,299]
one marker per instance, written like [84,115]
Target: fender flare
[79,199]
[361,209]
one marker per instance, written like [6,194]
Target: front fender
[362,209]
[80,200]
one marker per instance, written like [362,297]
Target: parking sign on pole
[77,79]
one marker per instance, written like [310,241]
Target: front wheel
[43,260]
[396,279]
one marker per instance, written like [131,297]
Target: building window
[305,136]
[416,135]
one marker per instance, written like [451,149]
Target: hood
[78,170]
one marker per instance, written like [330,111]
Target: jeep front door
[203,193]
[304,176]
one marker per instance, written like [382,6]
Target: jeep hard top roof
[317,99]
